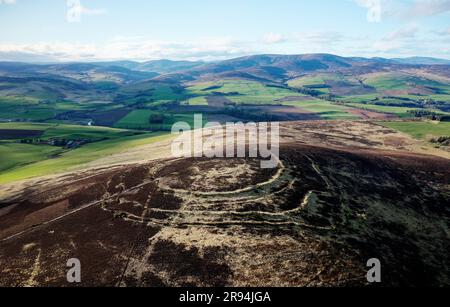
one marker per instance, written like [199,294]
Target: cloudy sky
[89,30]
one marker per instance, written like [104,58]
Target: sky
[208,30]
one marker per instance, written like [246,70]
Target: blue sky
[88,30]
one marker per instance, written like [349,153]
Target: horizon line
[93,61]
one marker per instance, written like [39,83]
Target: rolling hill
[363,172]
[85,92]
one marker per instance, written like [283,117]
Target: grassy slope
[26,126]
[388,82]
[197,101]
[324,109]
[140,119]
[80,132]
[151,93]
[78,157]
[242,92]
[29,108]
[68,131]
[399,81]
[14,155]
[392,81]
[21,161]
[136,119]
[34,107]
[401,112]
[420,130]
[316,81]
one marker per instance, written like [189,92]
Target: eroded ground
[342,193]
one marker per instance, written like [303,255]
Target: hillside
[363,172]
[342,193]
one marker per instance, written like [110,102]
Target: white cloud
[273,38]
[387,46]
[7,1]
[318,37]
[426,8]
[407,41]
[412,41]
[142,48]
[135,48]
[404,33]
[444,32]
[397,40]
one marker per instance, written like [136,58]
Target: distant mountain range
[291,62]
[263,68]
[275,68]
[287,62]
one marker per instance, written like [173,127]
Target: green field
[398,81]
[142,119]
[26,126]
[150,93]
[32,109]
[167,94]
[19,161]
[81,132]
[316,82]
[70,132]
[14,155]
[242,92]
[137,119]
[420,130]
[18,112]
[441,97]
[324,109]
[402,112]
[394,89]
[197,101]
[46,165]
